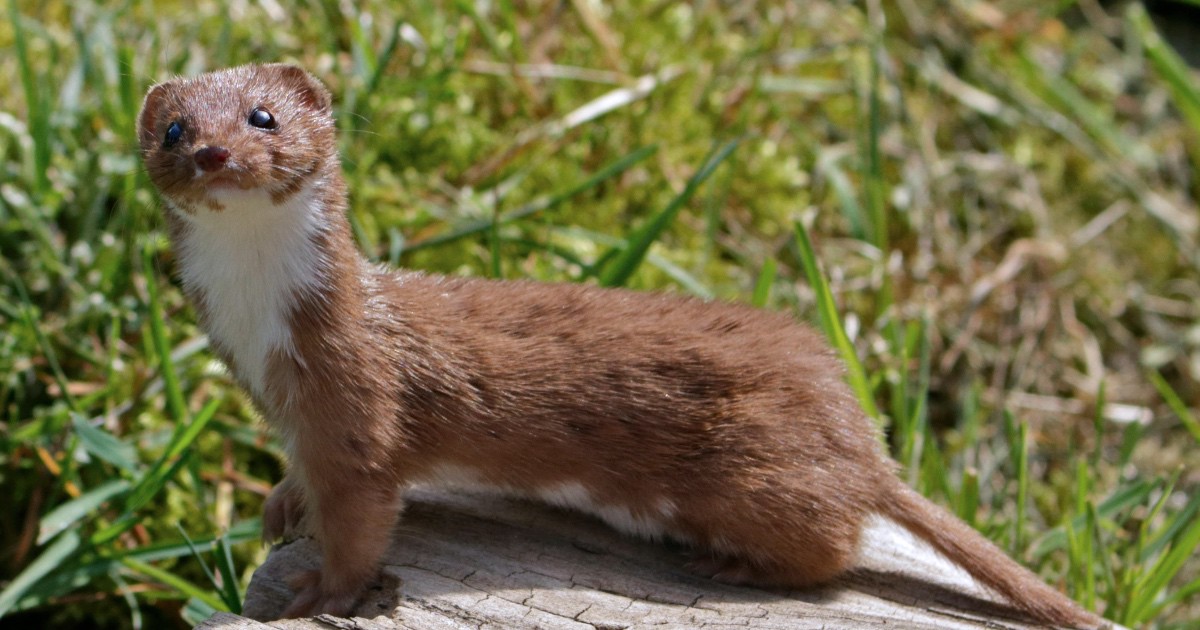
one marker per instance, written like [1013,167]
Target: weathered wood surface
[461,561]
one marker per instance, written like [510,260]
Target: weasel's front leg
[351,512]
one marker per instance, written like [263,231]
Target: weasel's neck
[248,266]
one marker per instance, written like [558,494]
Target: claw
[312,600]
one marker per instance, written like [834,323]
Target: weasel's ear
[310,89]
[155,98]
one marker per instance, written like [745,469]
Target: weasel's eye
[262,119]
[174,133]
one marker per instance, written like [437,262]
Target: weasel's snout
[211,158]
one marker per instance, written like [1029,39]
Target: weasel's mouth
[226,181]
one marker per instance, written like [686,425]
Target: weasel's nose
[211,158]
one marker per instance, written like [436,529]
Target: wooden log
[461,561]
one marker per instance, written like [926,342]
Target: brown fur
[730,426]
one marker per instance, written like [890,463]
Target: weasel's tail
[985,562]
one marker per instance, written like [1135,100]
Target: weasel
[722,426]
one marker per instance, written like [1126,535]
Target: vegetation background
[1002,197]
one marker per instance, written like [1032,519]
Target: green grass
[992,217]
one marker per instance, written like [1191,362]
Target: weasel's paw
[283,513]
[311,600]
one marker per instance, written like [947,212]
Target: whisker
[286,169]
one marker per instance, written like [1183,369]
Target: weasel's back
[533,311]
[650,387]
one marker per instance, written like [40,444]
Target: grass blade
[621,265]
[1021,457]
[843,190]
[1062,94]
[686,280]
[162,346]
[71,577]
[224,559]
[174,581]
[1123,499]
[69,513]
[1180,595]
[1174,72]
[1155,542]
[831,323]
[873,181]
[157,476]
[968,503]
[478,226]
[29,313]
[762,288]
[1176,404]
[199,558]
[916,416]
[105,445]
[152,481]
[39,114]
[197,611]
[385,57]
[1142,605]
[227,585]
[135,613]
[49,560]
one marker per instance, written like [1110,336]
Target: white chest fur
[248,262]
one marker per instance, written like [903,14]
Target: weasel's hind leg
[779,547]
[722,568]
[751,568]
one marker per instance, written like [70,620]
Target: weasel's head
[247,130]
